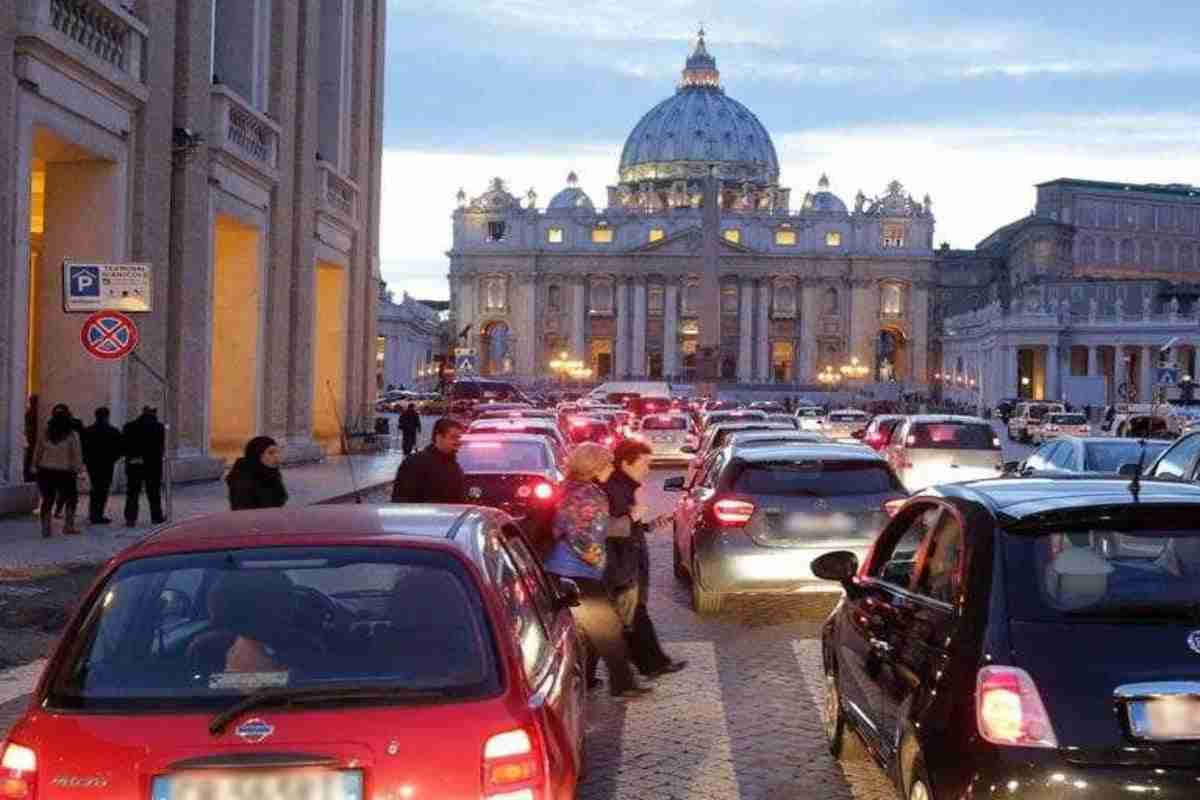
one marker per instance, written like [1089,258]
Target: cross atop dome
[701,68]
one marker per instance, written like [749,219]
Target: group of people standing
[599,542]
[61,450]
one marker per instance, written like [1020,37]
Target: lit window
[496,231]
[893,235]
[733,235]
[554,236]
[785,238]
[602,235]
[833,239]
[657,234]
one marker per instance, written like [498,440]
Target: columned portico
[638,367]
[763,340]
[671,331]
[745,366]
[621,359]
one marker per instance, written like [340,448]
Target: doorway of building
[329,356]
[496,344]
[236,331]
[891,359]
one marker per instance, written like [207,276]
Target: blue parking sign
[83,280]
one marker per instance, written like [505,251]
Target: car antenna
[345,443]
[1135,485]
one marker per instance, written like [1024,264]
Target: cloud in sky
[971,102]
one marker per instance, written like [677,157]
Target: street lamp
[566,366]
[827,376]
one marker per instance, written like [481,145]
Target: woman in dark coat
[255,480]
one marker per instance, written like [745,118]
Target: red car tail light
[512,766]
[1009,709]
[543,491]
[733,513]
[892,507]
[18,772]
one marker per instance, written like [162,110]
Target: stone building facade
[1094,283]
[233,145]
[619,287]
[412,342]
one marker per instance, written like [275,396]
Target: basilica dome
[698,126]
[571,198]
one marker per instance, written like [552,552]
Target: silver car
[672,437]
[755,518]
[843,424]
[929,449]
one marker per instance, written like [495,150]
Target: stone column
[671,331]
[1052,369]
[526,362]
[764,331]
[621,358]
[809,297]
[1008,358]
[919,345]
[745,365]
[863,323]
[1149,355]
[638,367]
[578,322]
[1093,366]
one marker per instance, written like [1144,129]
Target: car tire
[681,572]
[917,784]
[704,601]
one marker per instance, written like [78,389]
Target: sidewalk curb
[349,497]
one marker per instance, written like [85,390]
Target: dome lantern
[701,67]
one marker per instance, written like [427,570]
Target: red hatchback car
[340,653]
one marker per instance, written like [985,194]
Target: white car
[811,418]
[845,423]
[671,437]
[929,449]
[1054,425]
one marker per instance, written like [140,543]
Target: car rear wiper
[315,694]
[1189,611]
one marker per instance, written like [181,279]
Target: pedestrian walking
[102,449]
[61,503]
[433,475]
[255,480]
[145,445]
[582,524]
[627,573]
[410,426]
[58,458]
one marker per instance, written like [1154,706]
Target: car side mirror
[673,484]
[840,566]
[1128,470]
[1012,467]
[858,434]
[569,595]
[690,449]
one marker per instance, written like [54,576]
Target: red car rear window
[201,630]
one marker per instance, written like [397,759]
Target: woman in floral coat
[582,523]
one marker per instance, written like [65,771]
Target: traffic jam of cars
[1000,627]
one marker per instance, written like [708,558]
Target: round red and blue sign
[109,335]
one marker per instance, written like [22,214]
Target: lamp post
[566,366]
[827,377]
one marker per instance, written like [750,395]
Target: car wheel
[919,787]
[703,601]
[835,717]
[677,561]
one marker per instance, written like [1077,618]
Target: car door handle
[881,647]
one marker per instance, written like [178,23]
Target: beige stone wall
[122,186]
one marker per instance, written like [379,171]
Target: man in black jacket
[433,475]
[102,449]
[627,570]
[145,446]
[410,425]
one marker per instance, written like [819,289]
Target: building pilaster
[671,331]
[745,366]
[638,341]
[764,331]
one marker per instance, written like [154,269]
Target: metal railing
[109,35]
[338,192]
[92,26]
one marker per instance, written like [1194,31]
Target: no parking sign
[109,335]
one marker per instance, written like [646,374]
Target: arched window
[831,307]
[891,299]
[494,294]
[785,300]
[497,359]
[1087,250]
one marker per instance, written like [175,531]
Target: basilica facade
[619,286]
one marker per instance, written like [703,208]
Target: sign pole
[168,470]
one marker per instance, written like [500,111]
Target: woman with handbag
[58,459]
[581,526]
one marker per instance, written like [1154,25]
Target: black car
[1024,638]
[1180,461]
[517,473]
[467,393]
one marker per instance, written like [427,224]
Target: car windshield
[1067,419]
[815,478]
[1130,574]
[1109,456]
[199,629]
[952,435]
[493,456]
[808,412]
[664,424]
[1037,412]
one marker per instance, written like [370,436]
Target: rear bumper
[1033,775]
[669,454]
[734,564]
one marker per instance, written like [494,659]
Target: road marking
[19,681]
[689,707]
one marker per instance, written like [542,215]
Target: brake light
[18,772]
[892,507]
[512,767]
[733,513]
[1009,709]
[543,491]
[609,441]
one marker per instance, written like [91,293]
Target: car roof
[272,527]
[800,450]
[946,418]
[519,422]
[1027,499]
[501,436]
